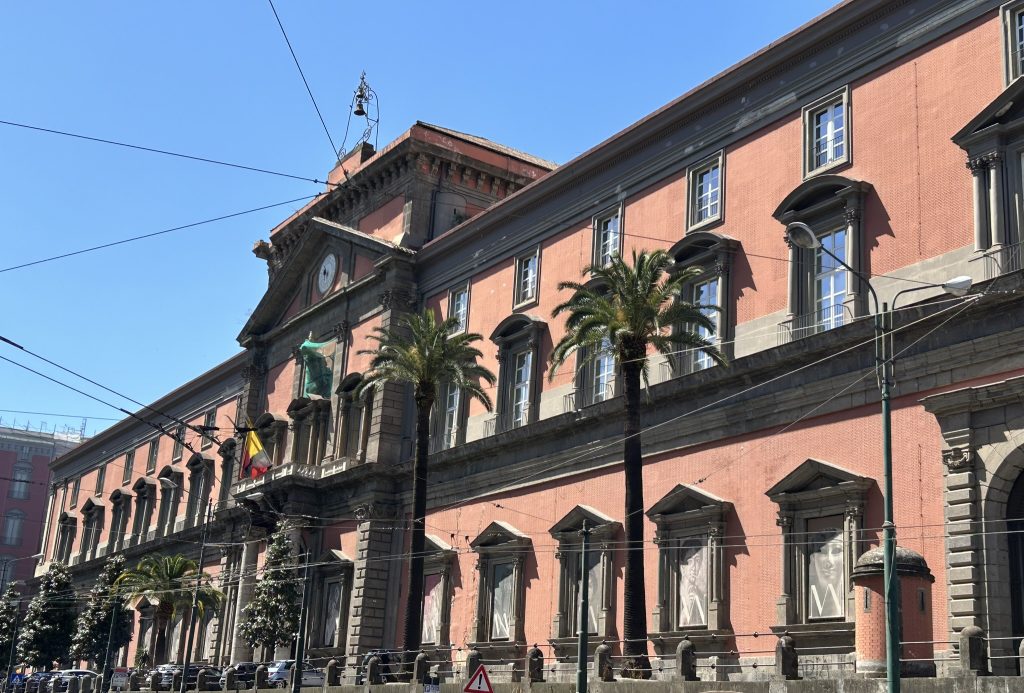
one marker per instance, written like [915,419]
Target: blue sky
[215,79]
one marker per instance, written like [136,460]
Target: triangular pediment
[814,476]
[572,522]
[687,499]
[434,544]
[1006,108]
[499,533]
[334,557]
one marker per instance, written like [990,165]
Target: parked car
[278,674]
[34,683]
[167,672]
[245,674]
[58,683]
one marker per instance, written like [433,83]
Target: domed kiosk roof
[907,562]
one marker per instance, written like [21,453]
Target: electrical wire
[157,233]
[309,91]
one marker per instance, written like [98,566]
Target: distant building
[24,476]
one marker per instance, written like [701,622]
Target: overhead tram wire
[165,152]
[309,91]
[158,233]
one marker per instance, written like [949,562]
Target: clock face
[325,279]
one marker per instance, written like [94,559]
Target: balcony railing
[490,426]
[1002,260]
[800,326]
[569,402]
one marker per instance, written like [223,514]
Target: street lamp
[167,484]
[802,236]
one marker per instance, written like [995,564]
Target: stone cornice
[972,399]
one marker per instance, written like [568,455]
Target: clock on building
[325,279]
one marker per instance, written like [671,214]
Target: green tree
[271,617]
[427,355]
[10,604]
[632,308]
[94,632]
[45,634]
[168,582]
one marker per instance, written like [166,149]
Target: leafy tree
[9,606]
[93,633]
[45,635]
[631,308]
[167,582]
[272,615]
[425,354]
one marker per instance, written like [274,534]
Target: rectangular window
[179,443]
[523,363]
[1013,40]
[450,432]
[602,384]
[527,267]
[432,605]
[705,185]
[209,424]
[607,238]
[830,281]
[826,568]
[76,486]
[705,293]
[154,450]
[20,479]
[129,462]
[458,307]
[101,477]
[826,133]
[594,595]
[502,579]
[332,613]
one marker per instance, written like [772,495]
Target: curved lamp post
[802,236]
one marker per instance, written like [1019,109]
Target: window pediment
[121,495]
[685,505]
[1005,112]
[702,246]
[336,558]
[441,549]
[820,195]
[500,535]
[570,525]
[144,485]
[349,383]
[198,461]
[268,419]
[816,480]
[517,325]
[93,505]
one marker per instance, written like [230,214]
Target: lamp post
[802,236]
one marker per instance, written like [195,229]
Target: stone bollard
[260,680]
[787,662]
[86,684]
[973,655]
[230,679]
[534,665]
[373,674]
[176,681]
[1020,654]
[686,660]
[203,679]
[332,676]
[472,662]
[154,680]
[134,681]
[74,684]
[603,669]
[421,668]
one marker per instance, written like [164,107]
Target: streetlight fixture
[802,236]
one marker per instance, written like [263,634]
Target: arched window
[14,521]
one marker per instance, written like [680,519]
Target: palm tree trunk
[414,601]
[634,608]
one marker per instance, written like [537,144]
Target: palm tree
[168,581]
[628,309]
[428,355]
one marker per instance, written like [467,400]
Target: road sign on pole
[479,682]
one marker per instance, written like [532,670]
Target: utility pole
[300,640]
[584,621]
[884,356]
[195,602]
[110,637]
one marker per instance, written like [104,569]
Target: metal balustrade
[800,326]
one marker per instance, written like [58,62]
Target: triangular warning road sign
[479,682]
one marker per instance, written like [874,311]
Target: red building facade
[762,480]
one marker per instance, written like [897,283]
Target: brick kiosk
[917,654]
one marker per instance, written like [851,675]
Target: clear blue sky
[215,79]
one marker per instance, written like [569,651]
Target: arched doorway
[1015,546]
